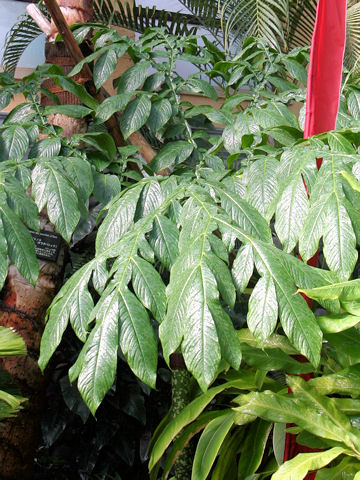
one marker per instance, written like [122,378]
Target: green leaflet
[298,467]
[243,214]
[209,445]
[13,143]
[20,203]
[52,188]
[135,115]
[329,218]
[104,67]
[346,382]
[243,267]
[137,339]
[291,212]
[164,239]
[327,407]
[279,408]
[20,245]
[149,287]
[100,360]
[3,256]
[113,104]
[120,217]
[262,184]
[337,323]
[172,153]
[263,309]
[47,147]
[59,312]
[11,343]
[347,468]
[160,114]
[133,77]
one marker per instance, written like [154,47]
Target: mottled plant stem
[182,394]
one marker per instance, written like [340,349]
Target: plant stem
[182,392]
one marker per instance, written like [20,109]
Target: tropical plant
[208,247]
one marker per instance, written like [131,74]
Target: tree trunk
[23,307]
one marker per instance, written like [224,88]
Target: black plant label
[47,245]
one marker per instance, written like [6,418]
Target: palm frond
[18,39]
[240,19]
[352,51]
[302,15]
[138,18]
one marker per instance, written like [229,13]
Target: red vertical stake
[322,103]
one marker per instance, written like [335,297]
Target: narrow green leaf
[75,111]
[209,445]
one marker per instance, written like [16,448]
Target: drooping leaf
[137,339]
[209,445]
[99,365]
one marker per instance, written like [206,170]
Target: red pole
[322,103]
